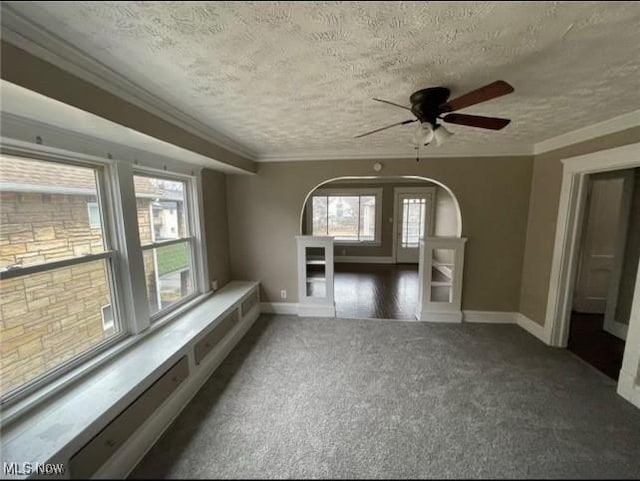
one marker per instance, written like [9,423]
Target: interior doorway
[377,225]
[608,251]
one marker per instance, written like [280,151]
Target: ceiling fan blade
[385,128]
[493,123]
[392,103]
[488,92]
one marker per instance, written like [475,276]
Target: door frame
[565,256]
[429,192]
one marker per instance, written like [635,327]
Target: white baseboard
[616,329]
[445,317]
[136,447]
[311,310]
[490,317]
[365,259]
[628,389]
[290,308]
[533,328]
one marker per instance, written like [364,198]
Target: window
[413,217]
[56,268]
[348,216]
[94,215]
[107,318]
[163,222]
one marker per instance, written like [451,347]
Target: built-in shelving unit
[440,274]
[315,276]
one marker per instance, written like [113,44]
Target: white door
[600,243]
[613,324]
[414,212]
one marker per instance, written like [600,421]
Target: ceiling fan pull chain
[418,153]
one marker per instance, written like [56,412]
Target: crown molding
[38,41]
[616,124]
[33,38]
[474,151]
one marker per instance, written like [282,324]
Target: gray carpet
[327,398]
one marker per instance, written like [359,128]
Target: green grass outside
[172,258]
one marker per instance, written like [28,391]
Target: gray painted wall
[493,192]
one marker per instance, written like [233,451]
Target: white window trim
[118,209]
[375,191]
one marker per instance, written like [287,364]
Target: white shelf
[441,284]
[316,279]
[316,263]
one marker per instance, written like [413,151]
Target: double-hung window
[164,214]
[57,268]
[350,216]
[64,244]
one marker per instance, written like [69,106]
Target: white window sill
[71,417]
[357,243]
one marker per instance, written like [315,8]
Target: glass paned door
[412,219]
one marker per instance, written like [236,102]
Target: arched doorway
[377,223]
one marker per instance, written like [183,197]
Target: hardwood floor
[588,340]
[380,291]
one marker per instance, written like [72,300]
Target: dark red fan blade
[385,128]
[488,92]
[492,123]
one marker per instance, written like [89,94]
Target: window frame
[350,192]
[112,247]
[191,219]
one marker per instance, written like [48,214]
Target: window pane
[343,217]
[161,207]
[368,218]
[319,208]
[168,275]
[51,317]
[46,212]
[412,221]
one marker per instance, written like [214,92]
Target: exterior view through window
[412,221]
[345,217]
[166,242]
[56,268]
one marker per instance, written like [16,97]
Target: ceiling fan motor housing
[426,103]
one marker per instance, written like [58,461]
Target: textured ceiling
[286,78]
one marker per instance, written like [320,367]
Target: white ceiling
[283,79]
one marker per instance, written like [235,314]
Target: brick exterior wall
[48,318]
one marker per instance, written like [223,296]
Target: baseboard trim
[310,310]
[490,317]
[441,317]
[286,308]
[617,329]
[365,259]
[533,328]
[120,465]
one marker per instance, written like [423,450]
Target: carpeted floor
[331,398]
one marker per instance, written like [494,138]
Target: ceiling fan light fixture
[441,135]
[423,134]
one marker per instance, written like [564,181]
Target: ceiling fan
[432,104]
